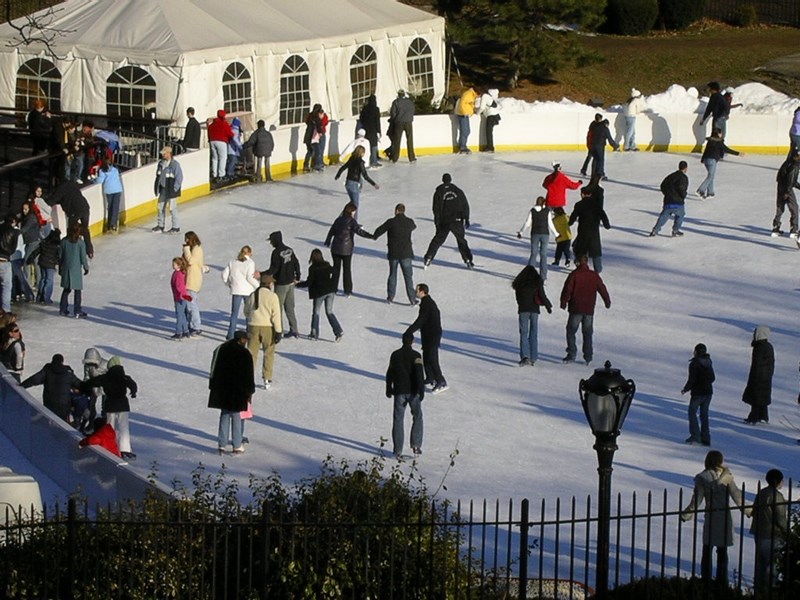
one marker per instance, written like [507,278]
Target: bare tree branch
[38,29]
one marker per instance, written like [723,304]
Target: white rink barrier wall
[51,445]
[437,134]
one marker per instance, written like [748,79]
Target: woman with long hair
[109,177]
[240,277]
[73,265]
[528,287]
[356,170]
[196,268]
[322,290]
[341,242]
[312,137]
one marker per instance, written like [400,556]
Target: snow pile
[756,98]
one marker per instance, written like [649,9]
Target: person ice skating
[341,241]
[465,108]
[240,277]
[578,297]
[758,391]
[359,140]
[264,326]
[322,291]
[181,299]
[356,170]
[429,325]
[716,108]
[231,386]
[770,531]
[195,269]
[540,222]
[598,119]
[116,383]
[450,215]
[102,435]
[490,110]
[794,133]
[74,264]
[370,118]
[715,487]
[600,136]
[632,108]
[263,144]
[401,115]
[674,187]
[787,182]
[285,270]
[589,214]
[405,382]
[167,187]
[563,237]
[58,380]
[191,135]
[311,139]
[557,184]
[714,151]
[529,291]
[700,385]
[400,251]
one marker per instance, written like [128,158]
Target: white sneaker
[793,235]
[267,384]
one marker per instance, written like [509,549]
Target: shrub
[631,17]
[679,14]
[745,15]
[674,588]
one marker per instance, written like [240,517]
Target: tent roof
[164,31]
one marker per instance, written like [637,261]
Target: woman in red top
[557,185]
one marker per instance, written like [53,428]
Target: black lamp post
[606,397]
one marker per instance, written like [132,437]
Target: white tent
[273,57]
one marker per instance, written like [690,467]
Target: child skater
[561,223]
[181,298]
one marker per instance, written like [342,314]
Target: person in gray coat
[769,528]
[715,487]
[73,266]
[262,143]
[401,114]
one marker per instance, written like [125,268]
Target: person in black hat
[285,270]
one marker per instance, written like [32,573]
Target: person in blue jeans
[111,180]
[405,381]
[714,151]
[49,257]
[322,291]
[231,387]
[400,252]
[674,187]
[700,385]
[356,170]
[540,221]
[528,288]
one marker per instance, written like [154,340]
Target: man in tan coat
[264,326]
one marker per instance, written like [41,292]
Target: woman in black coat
[322,290]
[341,242]
[370,118]
[758,391]
[231,386]
[589,214]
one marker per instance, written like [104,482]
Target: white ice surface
[520,432]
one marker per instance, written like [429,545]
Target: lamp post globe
[606,398]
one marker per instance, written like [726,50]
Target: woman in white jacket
[241,277]
[633,107]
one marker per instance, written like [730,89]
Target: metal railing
[428,550]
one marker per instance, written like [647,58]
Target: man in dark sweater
[450,215]
[787,181]
[400,251]
[429,324]
[191,135]
[76,208]
[716,108]
[404,381]
[674,187]
[285,269]
[58,380]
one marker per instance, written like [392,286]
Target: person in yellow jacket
[264,326]
[465,108]
[561,223]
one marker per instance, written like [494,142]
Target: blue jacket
[111,180]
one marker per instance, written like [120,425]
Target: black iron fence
[432,550]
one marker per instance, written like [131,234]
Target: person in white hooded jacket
[633,107]
[241,277]
[490,109]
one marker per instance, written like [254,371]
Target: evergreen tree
[524,30]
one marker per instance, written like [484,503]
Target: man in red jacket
[557,185]
[579,296]
[219,134]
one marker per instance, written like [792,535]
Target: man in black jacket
[285,269]
[9,236]
[429,324]
[58,380]
[191,135]
[401,252]
[787,181]
[231,386]
[404,381]
[76,208]
[716,108]
[674,187]
[600,136]
[263,144]
[450,215]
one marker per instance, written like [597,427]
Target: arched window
[130,92]
[363,76]
[295,91]
[38,79]
[237,89]
[420,68]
